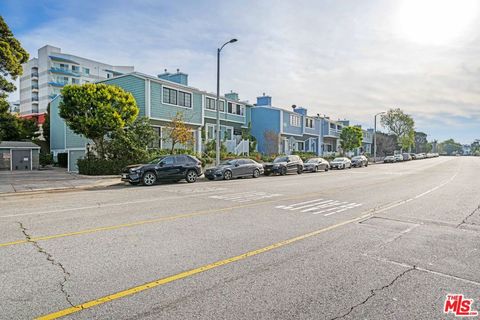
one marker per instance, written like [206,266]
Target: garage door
[21,160]
[73,156]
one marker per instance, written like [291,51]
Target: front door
[21,160]
[166,168]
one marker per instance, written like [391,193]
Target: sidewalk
[14,182]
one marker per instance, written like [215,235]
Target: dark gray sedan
[235,168]
[315,164]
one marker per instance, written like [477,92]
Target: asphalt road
[382,242]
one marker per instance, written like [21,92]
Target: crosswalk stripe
[297,204]
[310,205]
[326,205]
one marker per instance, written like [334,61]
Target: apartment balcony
[57,84]
[34,99]
[64,71]
[34,74]
[333,133]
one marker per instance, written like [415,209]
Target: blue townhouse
[160,99]
[280,131]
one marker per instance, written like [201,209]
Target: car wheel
[316,169]
[256,173]
[299,170]
[149,178]
[366,164]
[343,167]
[283,171]
[227,175]
[191,176]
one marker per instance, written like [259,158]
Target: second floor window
[86,71]
[210,104]
[75,69]
[235,109]
[184,99]
[295,120]
[309,123]
[169,96]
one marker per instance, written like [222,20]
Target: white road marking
[245,196]
[320,206]
[296,204]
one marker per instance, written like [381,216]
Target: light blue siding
[287,128]
[57,126]
[263,120]
[134,85]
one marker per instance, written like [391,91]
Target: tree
[420,142]
[386,144]
[129,144]
[96,109]
[400,124]
[451,147]
[351,138]
[271,141]
[46,128]
[13,128]
[12,55]
[178,132]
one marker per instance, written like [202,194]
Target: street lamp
[375,136]
[218,101]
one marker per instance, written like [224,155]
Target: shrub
[95,167]
[305,155]
[45,159]
[62,159]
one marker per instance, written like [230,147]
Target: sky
[346,59]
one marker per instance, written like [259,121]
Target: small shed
[19,155]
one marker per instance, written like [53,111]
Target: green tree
[46,127]
[95,110]
[451,147]
[177,132]
[400,124]
[421,142]
[351,138]
[12,55]
[130,144]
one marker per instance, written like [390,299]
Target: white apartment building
[44,77]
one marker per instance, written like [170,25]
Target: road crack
[373,292]
[464,221]
[51,259]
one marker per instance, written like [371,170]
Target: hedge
[96,167]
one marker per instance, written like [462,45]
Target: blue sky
[346,59]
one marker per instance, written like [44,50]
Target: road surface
[382,242]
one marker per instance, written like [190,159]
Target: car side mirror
[236,164]
[288,160]
[161,164]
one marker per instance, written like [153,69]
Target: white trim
[281,121]
[148,103]
[169,120]
[202,112]
[224,119]
[25,148]
[204,101]
[295,116]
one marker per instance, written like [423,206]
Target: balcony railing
[34,74]
[334,132]
[34,86]
[34,99]
[57,84]
[65,71]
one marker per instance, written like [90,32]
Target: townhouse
[160,99]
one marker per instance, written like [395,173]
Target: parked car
[414,156]
[389,159]
[169,168]
[398,157]
[283,165]
[315,164]
[341,163]
[235,168]
[420,156]
[406,157]
[359,161]
[430,155]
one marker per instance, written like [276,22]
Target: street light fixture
[375,136]
[217,152]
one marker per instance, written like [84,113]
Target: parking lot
[363,243]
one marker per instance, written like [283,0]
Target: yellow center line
[150,221]
[192,272]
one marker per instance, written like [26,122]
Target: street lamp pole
[217,144]
[375,136]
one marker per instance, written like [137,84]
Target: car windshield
[357,158]
[228,162]
[338,159]
[280,159]
[312,161]
[156,160]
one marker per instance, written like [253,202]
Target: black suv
[167,168]
[283,165]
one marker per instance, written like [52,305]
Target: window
[75,81]
[294,120]
[108,75]
[235,109]
[181,159]
[222,105]
[63,66]
[184,99]
[169,96]
[230,107]
[158,138]
[86,71]
[308,123]
[168,161]
[76,68]
[210,103]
